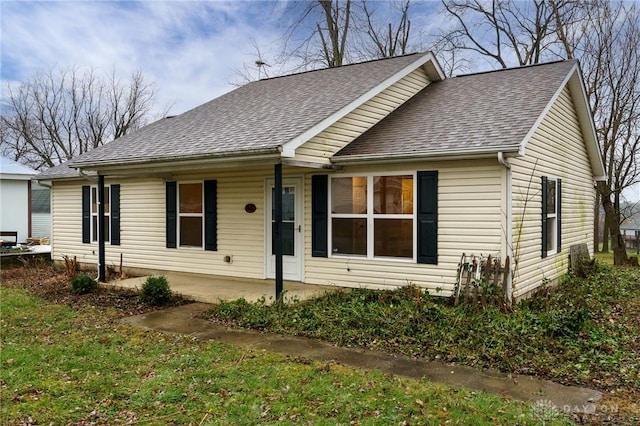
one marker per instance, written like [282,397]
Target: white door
[292,232]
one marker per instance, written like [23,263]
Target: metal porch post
[101,261]
[277,231]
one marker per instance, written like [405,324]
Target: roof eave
[183,163]
[445,154]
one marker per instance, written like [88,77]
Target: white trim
[458,154]
[296,142]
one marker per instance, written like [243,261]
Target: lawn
[67,360]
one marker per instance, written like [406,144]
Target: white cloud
[189,49]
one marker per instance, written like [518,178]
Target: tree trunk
[617,241]
[606,235]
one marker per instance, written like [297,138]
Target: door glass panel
[288,221]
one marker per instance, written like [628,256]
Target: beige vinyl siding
[323,146]
[469,221]
[556,150]
[143,222]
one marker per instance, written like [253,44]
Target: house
[386,172]
[15,201]
[630,229]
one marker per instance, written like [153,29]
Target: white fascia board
[432,70]
[585,117]
[487,152]
[15,176]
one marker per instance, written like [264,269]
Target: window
[94,214]
[90,214]
[373,216]
[191,214]
[551,216]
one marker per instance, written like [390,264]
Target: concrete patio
[213,289]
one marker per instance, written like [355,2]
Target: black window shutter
[115,215]
[211,215]
[172,217]
[428,217]
[86,214]
[559,213]
[544,216]
[319,215]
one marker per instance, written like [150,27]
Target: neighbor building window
[191,214]
[373,216]
[94,214]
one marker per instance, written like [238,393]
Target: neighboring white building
[15,198]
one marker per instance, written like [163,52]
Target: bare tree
[59,114]
[509,31]
[385,39]
[332,33]
[319,32]
[611,60]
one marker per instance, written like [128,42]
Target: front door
[291,229]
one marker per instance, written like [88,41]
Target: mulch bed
[53,285]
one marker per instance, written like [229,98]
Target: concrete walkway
[184,320]
[213,289]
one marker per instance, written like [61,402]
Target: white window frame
[95,222]
[370,216]
[552,219]
[180,215]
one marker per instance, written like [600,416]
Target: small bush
[155,291]
[83,284]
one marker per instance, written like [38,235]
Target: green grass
[77,365]
[606,258]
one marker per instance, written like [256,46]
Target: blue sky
[191,50]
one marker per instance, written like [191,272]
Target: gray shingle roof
[61,171]
[492,110]
[259,116]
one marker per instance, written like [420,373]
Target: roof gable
[471,114]
[266,116]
